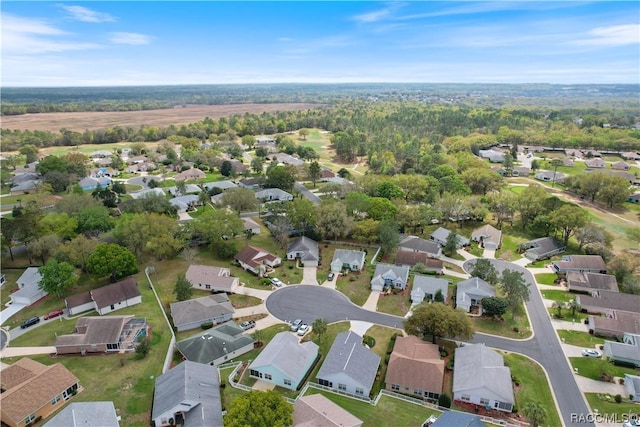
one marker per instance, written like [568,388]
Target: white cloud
[81,13]
[36,36]
[130,38]
[616,35]
[285,39]
[378,15]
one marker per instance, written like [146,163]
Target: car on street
[303,329]
[331,276]
[295,325]
[632,422]
[53,314]
[30,322]
[276,282]
[248,324]
[588,352]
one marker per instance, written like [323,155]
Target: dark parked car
[30,322]
[54,313]
[331,276]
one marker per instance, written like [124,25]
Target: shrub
[516,329]
[618,398]
[369,340]
[353,278]
[444,400]
[207,325]
[290,266]
[143,347]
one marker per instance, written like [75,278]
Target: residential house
[626,352]
[30,176]
[287,159]
[567,162]
[144,166]
[193,313]
[415,368]
[143,193]
[389,275]
[574,153]
[315,410]
[304,249]
[257,260]
[104,171]
[209,278]
[458,419]
[32,391]
[265,140]
[250,225]
[634,198]
[86,414]
[425,288]
[102,335]
[632,386]
[29,168]
[550,176]
[326,174]
[605,302]
[89,183]
[542,248]
[106,299]
[345,259]
[630,155]
[440,236]
[188,395]
[100,154]
[494,156]
[216,345]
[222,185]
[589,282]
[615,324]
[192,174]
[631,178]
[621,166]
[25,187]
[185,203]
[237,167]
[285,361]
[188,189]
[273,195]
[593,153]
[480,377]
[28,288]
[417,244]
[349,366]
[410,259]
[580,263]
[251,183]
[595,163]
[470,292]
[487,236]
[521,171]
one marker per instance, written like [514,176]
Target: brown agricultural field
[177,116]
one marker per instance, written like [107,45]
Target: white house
[347,259]
[632,386]
[28,291]
[273,195]
[471,292]
[106,299]
[426,288]
[389,275]
[480,377]
[304,249]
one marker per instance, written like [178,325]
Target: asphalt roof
[209,345]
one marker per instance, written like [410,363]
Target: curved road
[311,302]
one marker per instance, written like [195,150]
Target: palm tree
[558,305]
[535,413]
[258,336]
[574,306]
[319,326]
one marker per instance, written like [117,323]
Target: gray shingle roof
[477,366]
[287,355]
[346,256]
[441,234]
[200,309]
[415,243]
[391,272]
[458,419]
[594,281]
[210,345]
[223,185]
[428,285]
[95,330]
[307,245]
[190,382]
[608,300]
[476,286]
[86,414]
[30,280]
[348,355]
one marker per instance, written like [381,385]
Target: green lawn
[509,247]
[590,367]
[396,304]
[581,339]
[533,385]
[546,278]
[518,189]
[241,301]
[557,295]
[389,412]
[505,327]
[605,404]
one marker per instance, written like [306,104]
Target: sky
[63,43]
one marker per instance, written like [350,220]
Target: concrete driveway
[10,311]
[309,276]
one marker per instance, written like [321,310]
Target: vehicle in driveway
[303,329]
[248,324]
[331,276]
[276,282]
[295,325]
[587,352]
[54,313]
[30,322]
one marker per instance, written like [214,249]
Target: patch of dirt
[177,116]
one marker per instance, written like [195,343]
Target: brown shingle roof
[608,300]
[115,293]
[20,372]
[79,299]
[28,397]
[411,258]
[415,364]
[315,410]
[95,330]
[619,323]
[206,274]
[594,281]
[254,256]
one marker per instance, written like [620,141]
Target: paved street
[307,193]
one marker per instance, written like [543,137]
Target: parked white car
[303,329]
[588,352]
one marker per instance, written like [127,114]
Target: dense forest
[17,101]
[364,127]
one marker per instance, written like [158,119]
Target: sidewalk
[372,301]
[258,293]
[250,311]
[452,261]
[466,255]
[26,351]
[455,273]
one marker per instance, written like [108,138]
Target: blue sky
[142,43]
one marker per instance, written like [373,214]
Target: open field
[177,116]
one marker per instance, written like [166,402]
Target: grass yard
[590,367]
[533,385]
[546,278]
[567,316]
[557,295]
[581,339]
[396,304]
[357,290]
[240,300]
[510,326]
[518,189]
[509,247]
[382,335]
[389,412]
[606,405]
